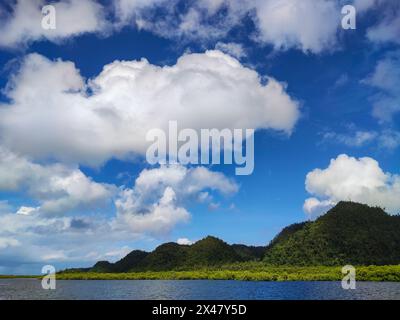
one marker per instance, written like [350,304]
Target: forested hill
[349,233]
[209,251]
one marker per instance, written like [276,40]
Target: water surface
[195,289]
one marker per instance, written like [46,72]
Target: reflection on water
[195,289]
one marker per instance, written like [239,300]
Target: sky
[77,101]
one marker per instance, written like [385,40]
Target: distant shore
[253,272]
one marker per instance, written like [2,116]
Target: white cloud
[315,207]
[356,139]
[363,5]
[309,25]
[155,204]
[347,178]
[386,139]
[52,115]
[40,239]
[386,75]
[386,78]
[233,49]
[158,218]
[389,139]
[342,80]
[57,187]
[214,206]
[199,20]
[184,241]
[7,242]
[152,208]
[26,211]
[128,10]
[54,256]
[116,253]
[388,29]
[73,18]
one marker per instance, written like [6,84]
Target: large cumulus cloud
[54,113]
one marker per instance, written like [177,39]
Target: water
[195,289]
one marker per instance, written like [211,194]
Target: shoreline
[271,273]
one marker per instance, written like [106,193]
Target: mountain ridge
[349,233]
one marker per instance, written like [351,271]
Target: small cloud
[8,242]
[235,50]
[314,207]
[118,253]
[342,80]
[389,139]
[204,197]
[386,79]
[213,206]
[55,256]
[26,211]
[125,177]
[353,139]
[184,241]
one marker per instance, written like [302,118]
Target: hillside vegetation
[349,233]
[209,251]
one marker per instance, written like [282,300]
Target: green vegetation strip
[248,272]
[2,276]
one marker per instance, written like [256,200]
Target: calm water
[196,289]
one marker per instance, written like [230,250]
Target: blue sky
[71,194]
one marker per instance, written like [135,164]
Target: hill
[209,251]
[349,233]
[167,256]
[130,261]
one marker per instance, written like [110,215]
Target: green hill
[350,233]
[209,251]
[167,256]
[101,266]
[130,261]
